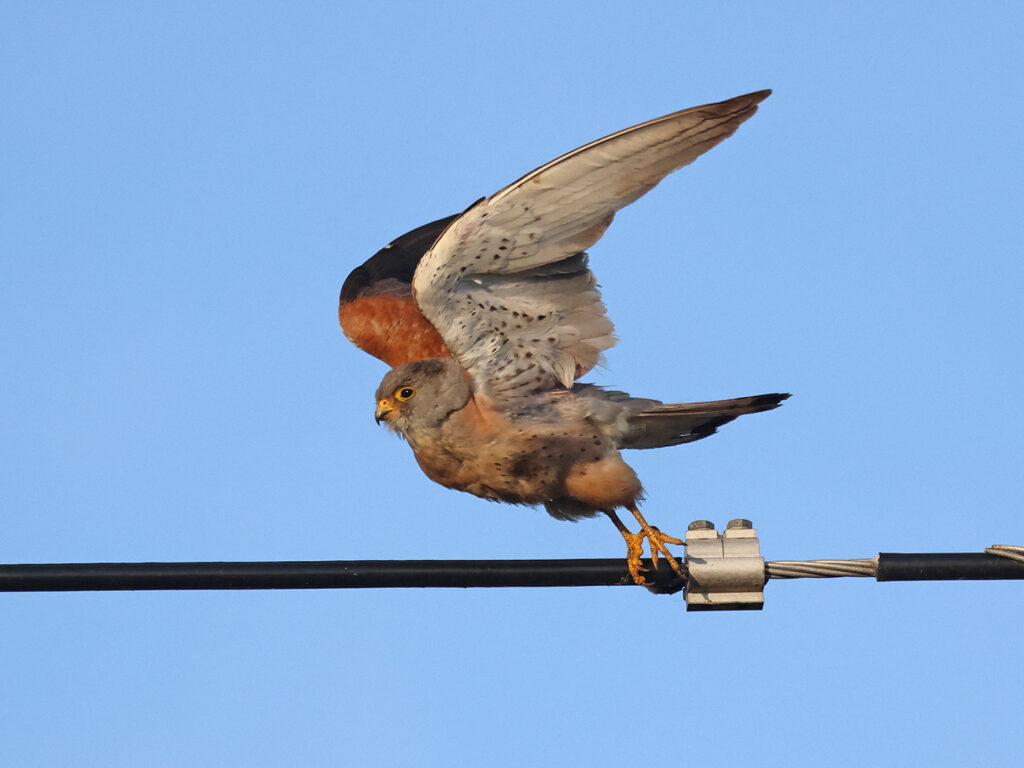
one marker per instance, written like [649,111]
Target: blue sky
[183,189]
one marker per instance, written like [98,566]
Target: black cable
[362,574]
[947,566]
[327,574]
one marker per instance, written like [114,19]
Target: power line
[319,574]
[364,574]
[723,571]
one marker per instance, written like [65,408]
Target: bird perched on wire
[490,317]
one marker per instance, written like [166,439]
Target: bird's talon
[635,549]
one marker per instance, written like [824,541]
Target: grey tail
[678,423]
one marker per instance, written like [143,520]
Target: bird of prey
[489,318]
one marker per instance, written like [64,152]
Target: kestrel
[490,316]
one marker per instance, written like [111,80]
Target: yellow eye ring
[404,393]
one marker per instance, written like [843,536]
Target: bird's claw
[657,541]
[634,550]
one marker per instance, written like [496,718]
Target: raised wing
[507,284]
[376,309]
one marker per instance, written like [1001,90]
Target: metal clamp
[725,571]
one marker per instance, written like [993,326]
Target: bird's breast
[484,451]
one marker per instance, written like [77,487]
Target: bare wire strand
[866,567]
[1007,550]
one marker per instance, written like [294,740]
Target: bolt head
[739,524]
[701,525]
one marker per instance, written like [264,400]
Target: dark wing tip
[758,404]
[767,402]
[355,282]
[396,261]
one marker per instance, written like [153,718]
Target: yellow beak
[384,411]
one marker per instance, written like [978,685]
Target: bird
[490,317]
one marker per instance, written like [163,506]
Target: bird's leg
[634,548]
[657,540]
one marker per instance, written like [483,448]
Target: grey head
[421,395]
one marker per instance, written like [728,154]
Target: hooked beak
[384,411]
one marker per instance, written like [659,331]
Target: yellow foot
[635,547]
[658,541]
[634,550]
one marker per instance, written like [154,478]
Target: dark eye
[405,393]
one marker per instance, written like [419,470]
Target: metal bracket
[725,571]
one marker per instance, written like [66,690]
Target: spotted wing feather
[507,284]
